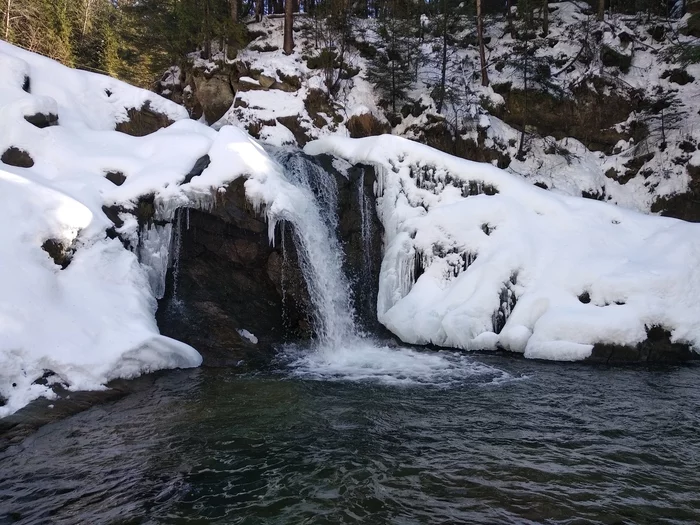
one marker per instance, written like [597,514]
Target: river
[421,438]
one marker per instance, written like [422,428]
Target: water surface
[443,438]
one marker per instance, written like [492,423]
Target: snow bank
[93,320]
[476,258]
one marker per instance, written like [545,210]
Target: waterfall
[318,248]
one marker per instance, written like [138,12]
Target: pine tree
[393,70]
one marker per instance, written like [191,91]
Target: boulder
[42,120]
[266,82]
[143,121]
[214,95]
[17,157]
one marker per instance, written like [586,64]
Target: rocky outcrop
[143,121]
[210,91]
[657,348]
[685,205]
[227,279]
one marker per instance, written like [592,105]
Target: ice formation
[476,258]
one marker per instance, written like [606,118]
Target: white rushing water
[341,351]
[320,254]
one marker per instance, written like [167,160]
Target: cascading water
[320,254]
[341,351]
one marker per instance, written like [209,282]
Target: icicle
[153,253]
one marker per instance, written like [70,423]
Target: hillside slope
[610,110]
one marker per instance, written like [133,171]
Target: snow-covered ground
[477,258]
[631,174]
[93,321]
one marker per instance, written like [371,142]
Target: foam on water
[364,359]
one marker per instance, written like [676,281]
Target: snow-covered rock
[477,258]
[80,311]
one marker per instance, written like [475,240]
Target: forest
[136,40]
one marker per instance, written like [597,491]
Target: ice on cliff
[498,262]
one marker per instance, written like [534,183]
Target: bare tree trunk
[443,69]
[258,10]
[86,17]
[601,10]
[288,27]
[545,17]
[482,52]
[509,17]
[207,30]
[7,19]
[521,148]
[233,4]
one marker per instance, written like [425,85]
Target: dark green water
[522,442]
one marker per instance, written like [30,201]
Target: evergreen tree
[393,69]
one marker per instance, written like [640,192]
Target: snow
[93,321]
[480,251]
[245,334]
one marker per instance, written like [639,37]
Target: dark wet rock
[115,177]
[143,121]
[657,348]
[678,76]
[60,253]
[686,205]
[27,84]
[19,158]
[42,120]
[229,278]
[199,167]
[611,57]
[112,213]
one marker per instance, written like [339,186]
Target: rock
[362,245]
[199,166]
[215,96]
[143,121]
[678,76]
[115,177]
[366,125]
[611,57]
[682,205]
[19,158]
[294,125]
[291,80]
[657,348]
[60,254]
[42,120]
[266,82]
[692,28]
[231,279]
